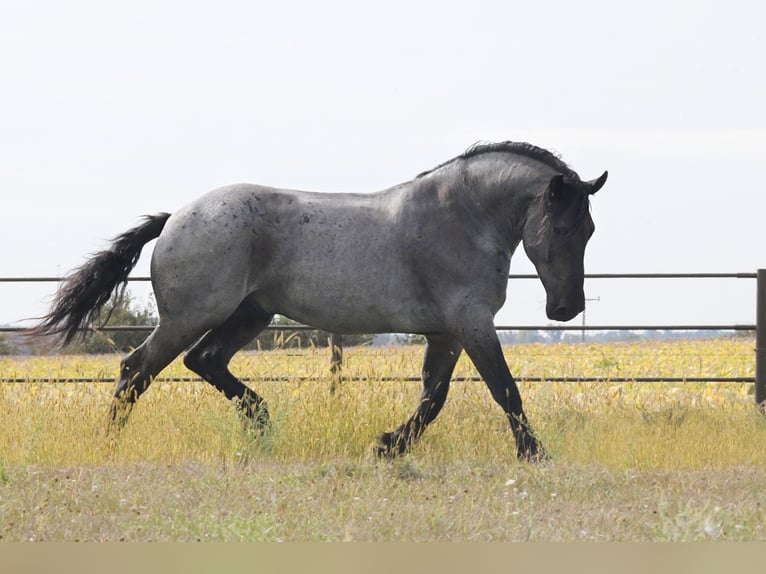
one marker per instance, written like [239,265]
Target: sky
[109,111]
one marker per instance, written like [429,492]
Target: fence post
[336,360]
[760,340]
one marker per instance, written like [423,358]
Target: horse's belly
[352,307]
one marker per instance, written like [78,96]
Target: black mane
[519,148]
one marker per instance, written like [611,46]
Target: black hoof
[257,427]
[256,417]
[392,445]
[534,455]
[118,415]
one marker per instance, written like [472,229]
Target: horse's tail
[85,291]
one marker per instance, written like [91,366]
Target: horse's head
[557,229]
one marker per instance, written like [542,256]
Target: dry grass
[630,461]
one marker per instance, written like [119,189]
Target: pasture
[630,461]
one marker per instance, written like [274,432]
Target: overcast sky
[112,110]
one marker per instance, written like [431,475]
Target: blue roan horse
[429,256]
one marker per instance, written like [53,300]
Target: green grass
[629,461]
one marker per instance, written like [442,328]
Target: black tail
[86,290]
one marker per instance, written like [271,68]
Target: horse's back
[395,260]
[301,254]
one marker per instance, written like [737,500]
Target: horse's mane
[519,148]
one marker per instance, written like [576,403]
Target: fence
[759,327]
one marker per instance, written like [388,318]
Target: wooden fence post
[336,360]
[760,341]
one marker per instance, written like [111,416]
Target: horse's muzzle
[564,312]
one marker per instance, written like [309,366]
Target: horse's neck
[499,200]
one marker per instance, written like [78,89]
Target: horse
[430,256]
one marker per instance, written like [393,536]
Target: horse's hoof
[256,416]
[119,411]
[391,446]
[383,453]
[258,425]
[536,456]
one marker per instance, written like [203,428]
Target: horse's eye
[560,230]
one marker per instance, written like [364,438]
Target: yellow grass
[630,461]
[642,425]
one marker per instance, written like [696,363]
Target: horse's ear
[595,184]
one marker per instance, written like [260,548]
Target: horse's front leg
[483,347]
[442,352]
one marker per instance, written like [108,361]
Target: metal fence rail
[759,327]
[748,275]
[384,379]
[299,327]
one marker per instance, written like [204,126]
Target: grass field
[630,461]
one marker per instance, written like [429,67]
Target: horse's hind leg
[138,369]
[442,352]
[210,356]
